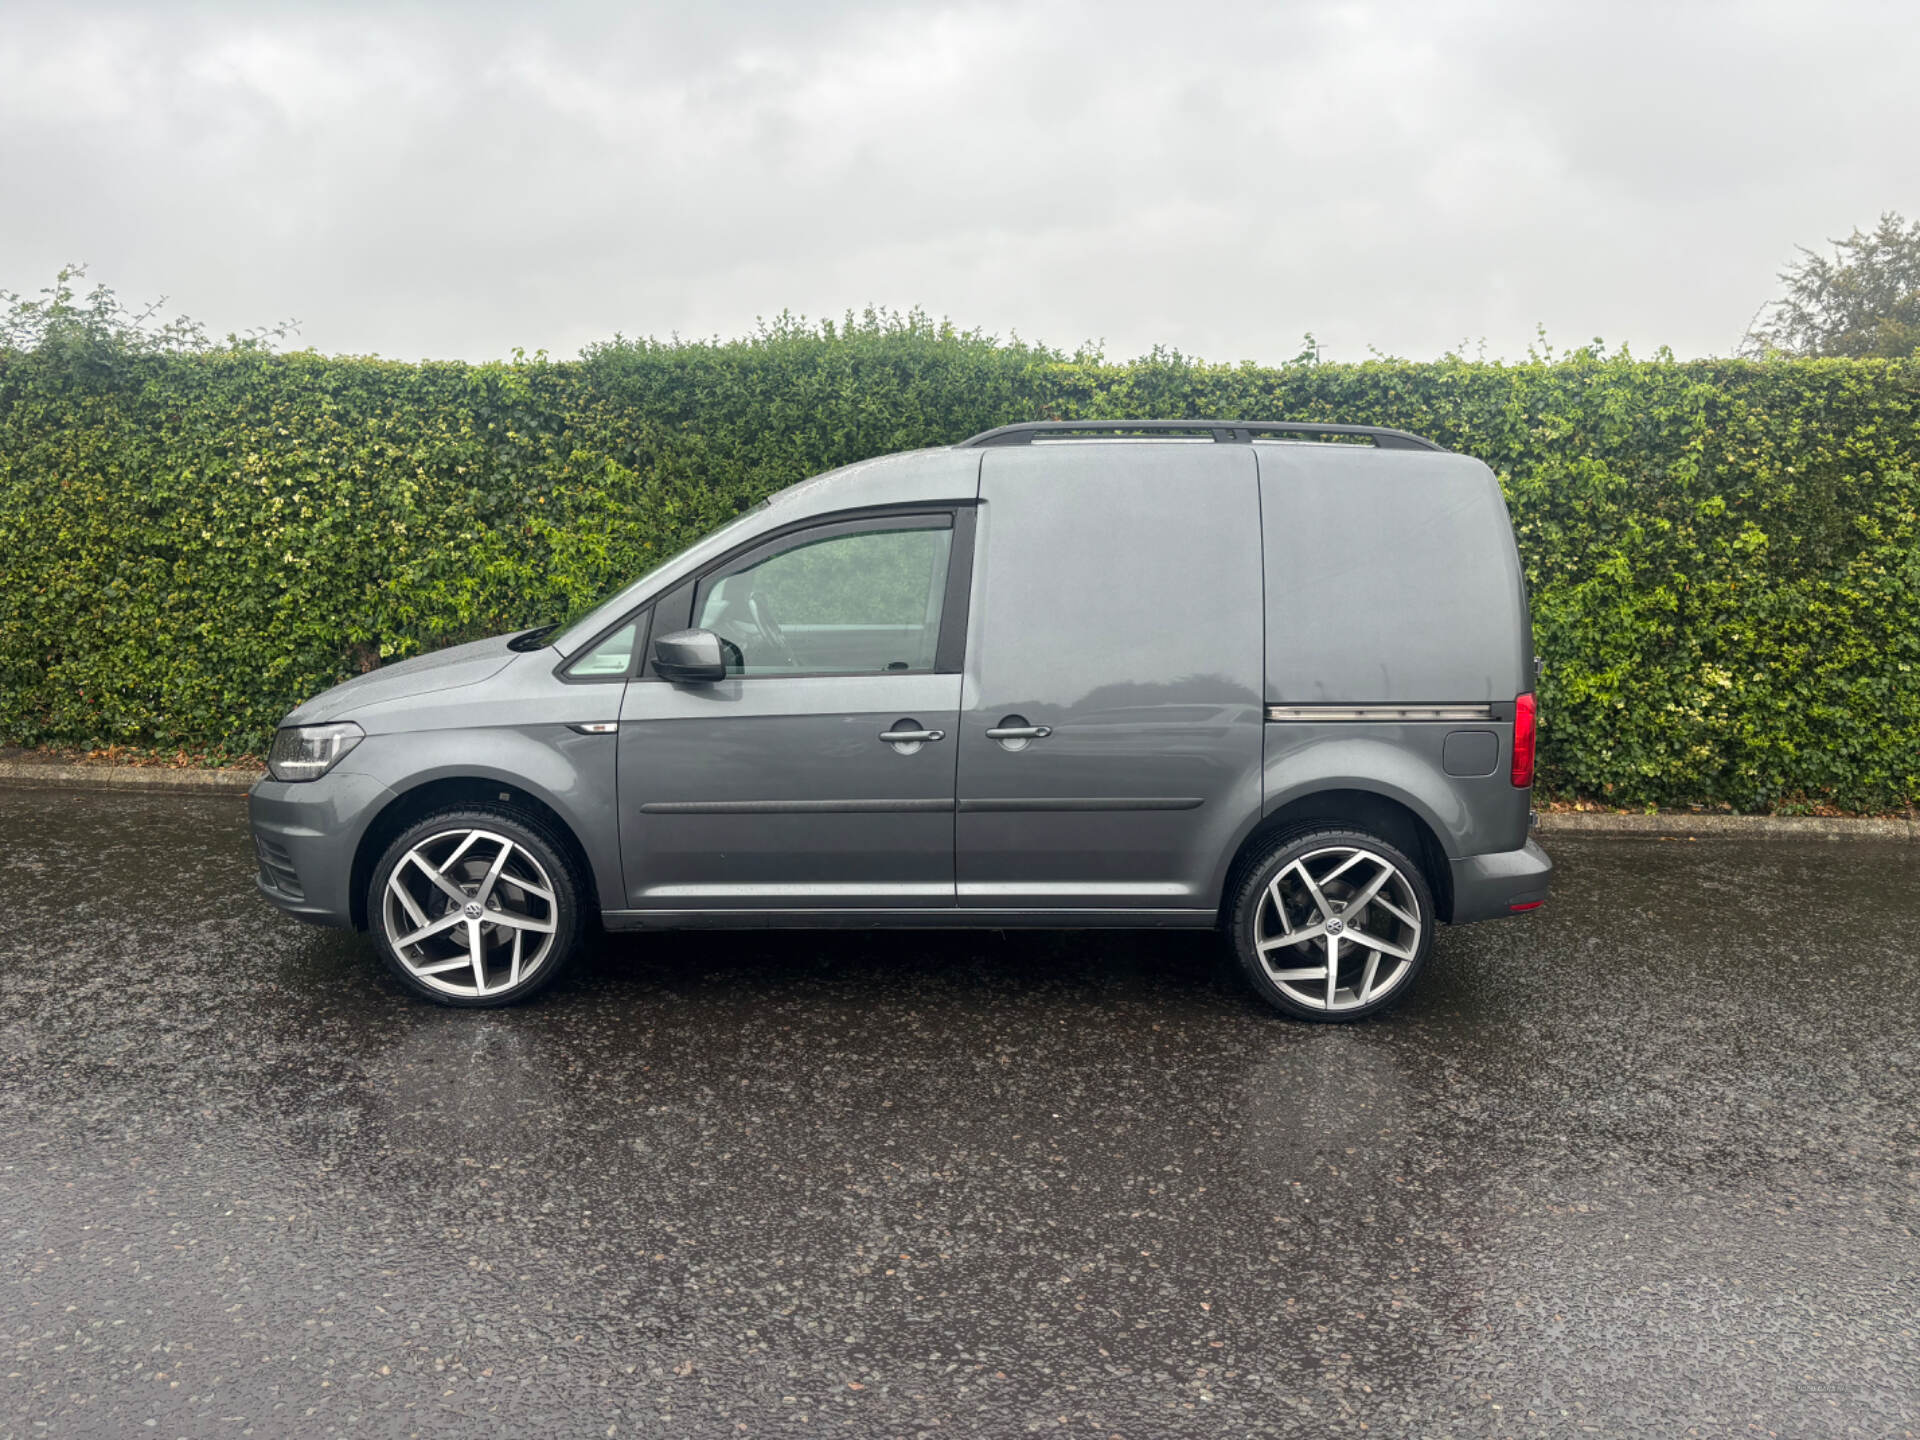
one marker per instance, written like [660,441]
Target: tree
[1863,302]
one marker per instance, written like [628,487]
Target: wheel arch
[453,791]
[1389,816]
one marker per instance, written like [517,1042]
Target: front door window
[863,601]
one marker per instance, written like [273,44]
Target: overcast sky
[457,180]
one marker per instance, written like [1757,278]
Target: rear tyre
[1333,925]
[475,907]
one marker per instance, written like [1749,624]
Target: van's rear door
[1117,607]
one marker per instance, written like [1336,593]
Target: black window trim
[950,650]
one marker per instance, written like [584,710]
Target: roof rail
[1226,432]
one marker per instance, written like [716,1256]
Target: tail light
[1524,732]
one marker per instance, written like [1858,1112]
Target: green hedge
[1724,555]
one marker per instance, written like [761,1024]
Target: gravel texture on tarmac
[1646,1162]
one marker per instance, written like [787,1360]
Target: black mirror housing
[689,657]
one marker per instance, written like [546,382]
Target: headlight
[306,752]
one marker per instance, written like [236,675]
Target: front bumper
[1488,886]
[306,834]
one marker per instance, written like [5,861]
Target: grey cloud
[416,180]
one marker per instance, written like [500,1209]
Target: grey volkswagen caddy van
[1270,678]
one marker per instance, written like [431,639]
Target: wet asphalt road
[1646,1163]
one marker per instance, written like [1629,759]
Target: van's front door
[1110,734]
[818,775]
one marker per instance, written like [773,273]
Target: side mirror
[689,657]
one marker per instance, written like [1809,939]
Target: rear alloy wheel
[1334,925]
[474,908]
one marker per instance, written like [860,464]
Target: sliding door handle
[1014,734]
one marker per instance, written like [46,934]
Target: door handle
[1014,734]
[911,737]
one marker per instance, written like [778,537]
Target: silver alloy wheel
[1338,928]
[459,908]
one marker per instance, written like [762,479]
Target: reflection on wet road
[1645,1163]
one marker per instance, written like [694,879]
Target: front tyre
[475,907]
[1333,925]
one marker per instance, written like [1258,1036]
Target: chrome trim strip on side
[981,888]
[1010,888]
[1379,712]
[930,917]
[795,892]
[1090,802]
[796,807]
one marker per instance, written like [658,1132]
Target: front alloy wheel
[474,909]
[1334,925]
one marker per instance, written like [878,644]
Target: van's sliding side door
[1110,728]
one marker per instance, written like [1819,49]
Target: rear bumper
[1488,886]
[305,836]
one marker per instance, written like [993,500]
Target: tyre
[1333,925]
[476,907]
